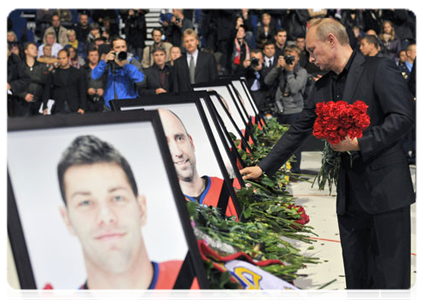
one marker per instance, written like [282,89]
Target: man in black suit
[194,66]
[270,62]
[375,191]
[67,87]
[255,78]
[158,76]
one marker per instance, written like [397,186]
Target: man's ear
[191,141]
[65,216]
[142,203]
[331,39]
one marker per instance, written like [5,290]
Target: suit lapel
[353,77]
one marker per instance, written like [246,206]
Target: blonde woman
[389,40]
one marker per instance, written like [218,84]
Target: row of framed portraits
[98,201]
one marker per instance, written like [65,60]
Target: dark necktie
[192,70]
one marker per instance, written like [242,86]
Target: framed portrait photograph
[94,203]
[233,103]
[202,173]
[222,88]
[222,136]
[228,127]
[240,90]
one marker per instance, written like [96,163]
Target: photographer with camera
[255,78]
[123,75]
[292,80]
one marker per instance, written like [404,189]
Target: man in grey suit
[194,66]
[375,192]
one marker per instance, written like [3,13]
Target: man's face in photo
[321,53]
[281,38]
[93,57]
[159,58]
[300,43]
[31,51]
[269,50]
[63,59]
[55,21]
[190,43]
[105,214]
[119,46]
[83,20]
[50,39]
[366,48]
[157,36]
[180,145]
[175,53]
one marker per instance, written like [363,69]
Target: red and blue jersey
[164,276]
[211,194]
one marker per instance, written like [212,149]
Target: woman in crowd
[240,52]
[389,40]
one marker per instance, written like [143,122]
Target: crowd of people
[239,46]
[84,65]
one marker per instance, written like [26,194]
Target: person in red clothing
[105,211]
[204,190]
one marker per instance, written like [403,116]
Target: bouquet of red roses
[335,121]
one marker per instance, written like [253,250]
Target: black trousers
[376,248]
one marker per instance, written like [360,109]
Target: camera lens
[122,55]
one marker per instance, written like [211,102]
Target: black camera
[254,62]
[122,55]
[289,59]
[177,20]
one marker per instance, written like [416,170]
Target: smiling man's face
[181,146]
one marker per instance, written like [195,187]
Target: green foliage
[328,173]
[268,220]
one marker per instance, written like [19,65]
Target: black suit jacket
[205,71]
[269,89]
[153,81]
[379,177]
[73,90]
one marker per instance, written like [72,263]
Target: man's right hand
[110,56]
[45,111]
[250,173]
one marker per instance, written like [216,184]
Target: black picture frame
[221,87]
[193,98]
[224,135]
[225,120]
[192,267]
[238,111]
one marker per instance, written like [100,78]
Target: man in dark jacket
[374,190]
[95,87]
[194,66]
[158,76]
[28,102]
[66,87]
[18,79]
